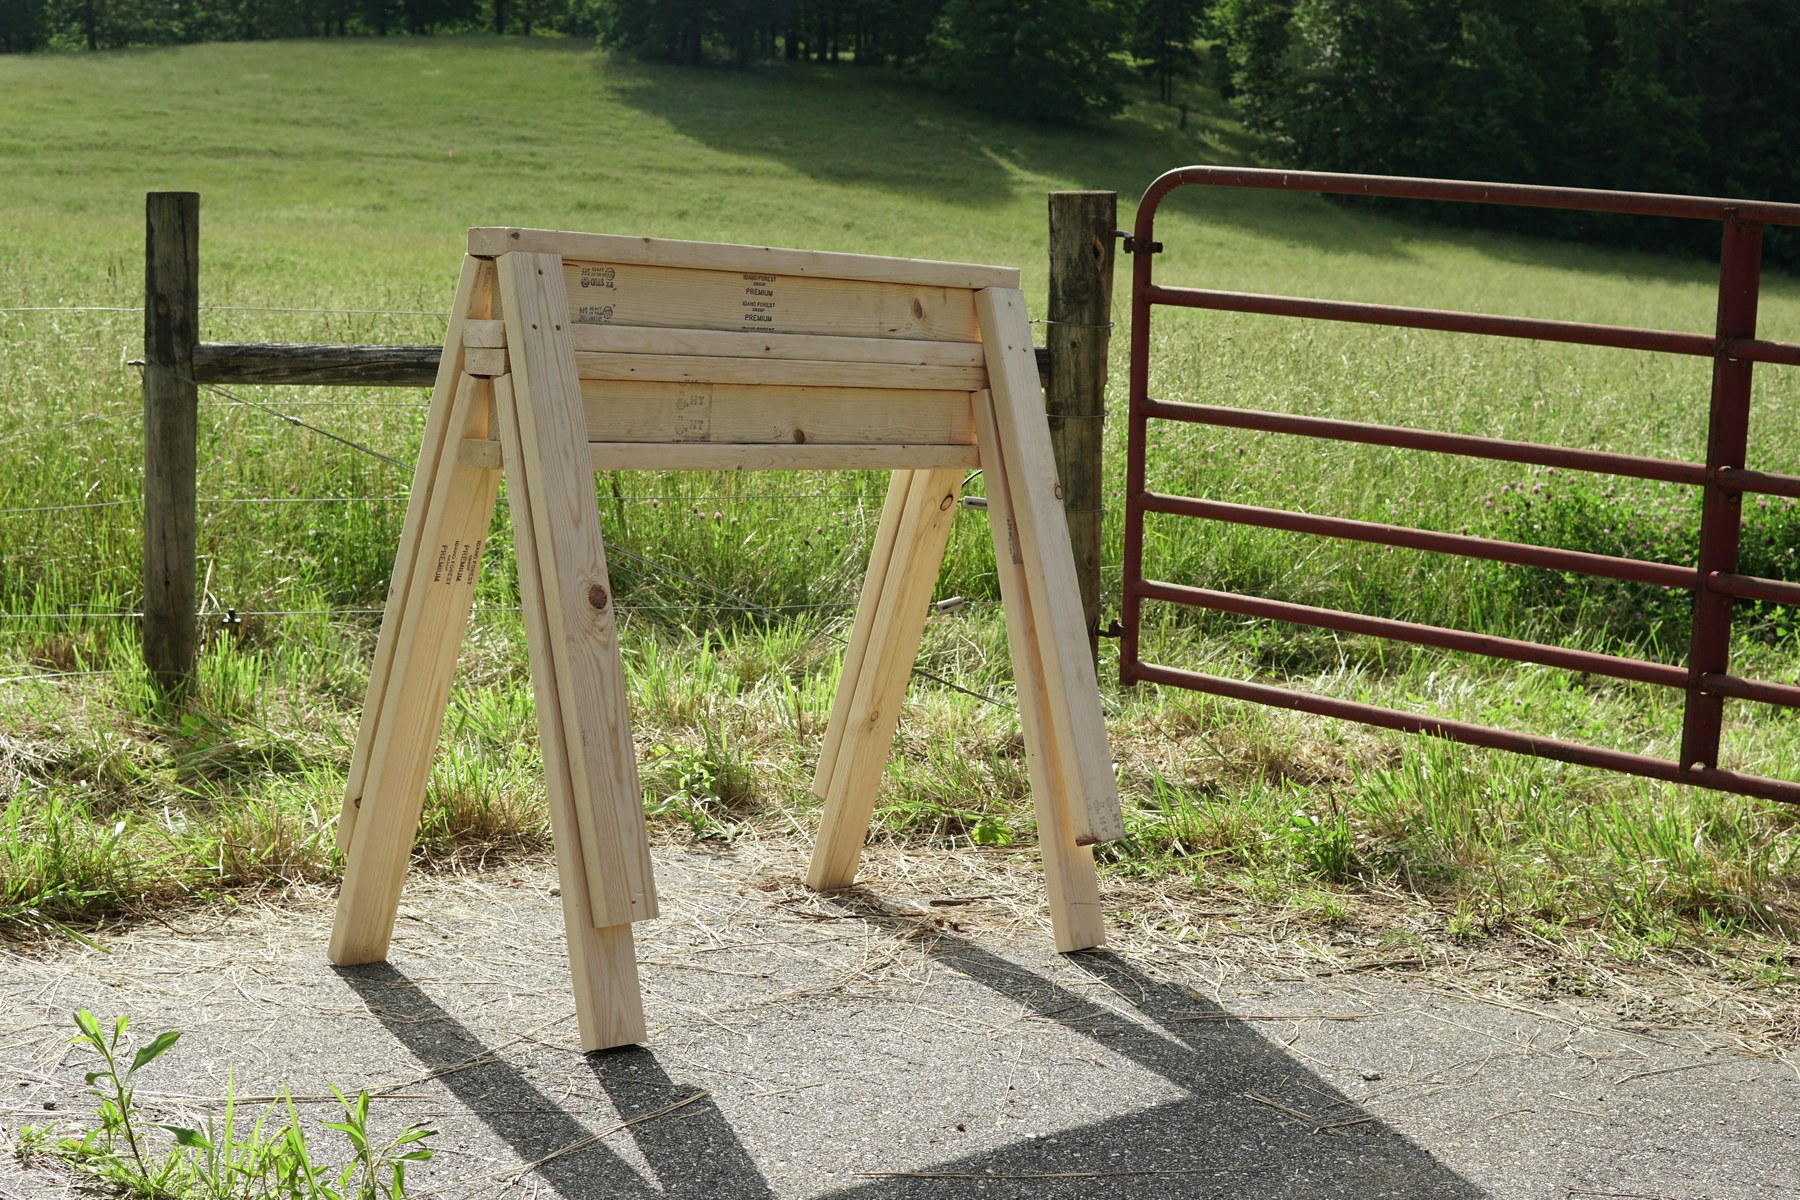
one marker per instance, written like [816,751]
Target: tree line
[1657,95]
[1695,96]
[1047,60]
[1054,60]
[27,25]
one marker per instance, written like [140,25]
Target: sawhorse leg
[1069,878]
[890,619]
[590,763]
[1072,693]
[609,1006]
[400,725]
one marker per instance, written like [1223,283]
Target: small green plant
[1324,845]
[223,1160]
[113,1086]
[698,786]
[991,831]
[383,1165]
[1462,925]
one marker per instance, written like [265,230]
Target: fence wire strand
[732,601]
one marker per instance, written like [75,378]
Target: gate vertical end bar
[1727,444]
[1130,603]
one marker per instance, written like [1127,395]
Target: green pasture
[336,182]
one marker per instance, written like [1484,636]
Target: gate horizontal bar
[1461,731]
[1630,465]
[1751,689]
[1753,587]
[1636,670]
[1523,195]
[1766,482]
[1757,350]
[1517,553]
[1541,329]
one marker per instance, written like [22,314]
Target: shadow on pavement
[1217,1141]
[696,1157]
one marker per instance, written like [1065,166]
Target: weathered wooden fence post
[171,330]
[1078,331]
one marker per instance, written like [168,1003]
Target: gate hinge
[1114,630]
[1131,245]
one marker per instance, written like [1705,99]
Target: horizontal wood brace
[721,343]
[316,363]
[661,297]
[643,251]
[670,368]
[484,453]
[652,411]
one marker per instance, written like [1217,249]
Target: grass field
[336,181]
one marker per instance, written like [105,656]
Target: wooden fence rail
[175,361]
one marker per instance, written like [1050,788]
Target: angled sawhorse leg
[1072,693]
[400,728]
[889,623]
[1069,878]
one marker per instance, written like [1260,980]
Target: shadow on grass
[877,129]
[880,129]
[1215,1141]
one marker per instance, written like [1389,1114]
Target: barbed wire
[480,610]
[44,508]
[734,602]
[339,402]
[116,414]
[68,674]
[138,308]
[25,308]
[672,504]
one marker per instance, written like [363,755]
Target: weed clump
[224,1160]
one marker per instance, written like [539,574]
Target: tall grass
[340,176]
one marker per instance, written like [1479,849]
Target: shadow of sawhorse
[696,1158]
[1212,1142]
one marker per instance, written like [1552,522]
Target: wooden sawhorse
[569,353]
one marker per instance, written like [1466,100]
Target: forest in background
[1646,95]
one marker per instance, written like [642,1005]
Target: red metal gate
[1724,477]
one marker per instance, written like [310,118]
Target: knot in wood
[597,596]
[947,502]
